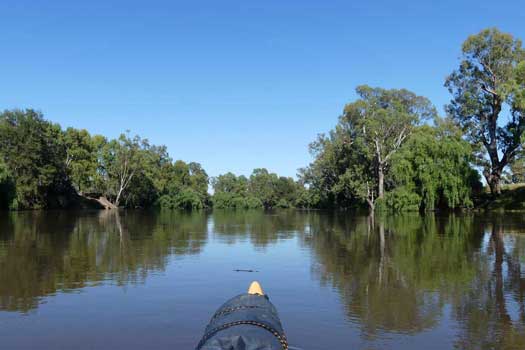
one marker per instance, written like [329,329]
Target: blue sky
[233,85]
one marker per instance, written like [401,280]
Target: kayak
[248,321]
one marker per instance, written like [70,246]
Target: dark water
[142,280]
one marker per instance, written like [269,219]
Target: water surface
[142,280]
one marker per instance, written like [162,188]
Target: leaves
[434,165]
[486,84]
[44,165]
[351,162]
[34,155]
[262,190]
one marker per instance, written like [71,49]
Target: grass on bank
[512,197]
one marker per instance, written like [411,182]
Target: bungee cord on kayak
[248,321]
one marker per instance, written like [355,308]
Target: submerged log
[106,203]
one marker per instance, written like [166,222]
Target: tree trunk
[117,199]
[381,250]
[370,199]
[381,182]
[371,206]
[493,180]
[370,224]
[499,253]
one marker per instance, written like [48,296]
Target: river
[152,280]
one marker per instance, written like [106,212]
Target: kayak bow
[246,322]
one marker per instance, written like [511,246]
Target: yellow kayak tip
[255,288]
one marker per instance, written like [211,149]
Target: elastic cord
[280,337]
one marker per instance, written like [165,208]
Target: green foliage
[307,199]
[186,199]
[351,163]
[402,199]
[263,185]
[430,169]
[34,155]
[43,166]
[252,202]
[433,170]
[199,180]
[334,157]
[222,200]
[377,125]
[262,190]
[187,187]
[381,154]
[141,175]
[283,204]
[7,188]
[81,158]
[517,170]
[189,199]
[225,200]
[122,160]
[489,80]
[141,192]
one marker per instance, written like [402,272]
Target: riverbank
[74,201]
[512,198]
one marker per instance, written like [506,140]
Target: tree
[379,122]
[487,81]
[32,150]
[122,160]
[45,166]
[517,170]
[432,170]
[287,190]
[186,187]
[263,186]
[199,181]
[231,191]
[155,180]
[7,188]
[262,190]
[81,158]
[327,176]
[306,199]
[189,199]
[181,172]
[230,183]
[99,183]
[352,163]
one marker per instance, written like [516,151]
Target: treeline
[44,166]
[261,190]
[382,154]
[389,150]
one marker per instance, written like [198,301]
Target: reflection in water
[41,253]
[396,276]
[259,227]
[492,314]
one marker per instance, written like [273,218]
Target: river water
[147,280]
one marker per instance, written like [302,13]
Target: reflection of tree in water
[41,253]
[260,227]
[492,313]
[30,260]
[394,274]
